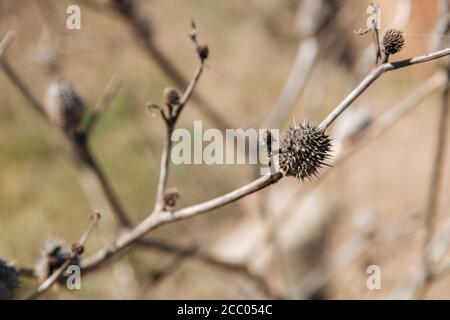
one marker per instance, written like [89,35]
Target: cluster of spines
[304,150]
[392,41]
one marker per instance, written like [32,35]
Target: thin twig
[156,220]
[110,91]
[86,155]
[374,131]
[23,88]
[375,33]
[426,273]
[437,166]
[374,75]
[77,250]
[6,42]
[79,142]
[172,119]
[142,30]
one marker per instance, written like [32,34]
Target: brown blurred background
[253,46]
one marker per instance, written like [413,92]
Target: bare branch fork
[80,143]
[373,29]
[141,25]
[175,106]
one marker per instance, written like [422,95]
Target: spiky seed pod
[9,280]
[304,150]
[393,41]
[54,254]
[64,105]
[171,96]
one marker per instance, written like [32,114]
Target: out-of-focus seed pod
[64,106]
[9,280]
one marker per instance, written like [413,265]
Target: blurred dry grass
[252,45]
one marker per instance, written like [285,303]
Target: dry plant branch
[374,75]
[141,26]
[443,28]
[110,91]
[81,146]
[159,218]
[77,250]
[80,141]
[438,164]
[427,272]
[23,88]
[175,106]
[434,192]
[6,42]
[374,131]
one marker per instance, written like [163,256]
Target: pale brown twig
[172,117]
[374,75]
[104,102]
[142,30]
[6,42]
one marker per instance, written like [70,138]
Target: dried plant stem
[437,166]
[428,265]
[434,189]
[157,219]
[148,43]
[23,88]
[77,250]
[85,154]
[374,131]
[170,122]
[160,216]
[6,42]
[376,35]
[88,160]
[164,171]
[174,75]
[374,75]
